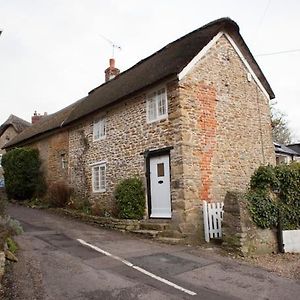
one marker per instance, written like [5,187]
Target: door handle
[160,181]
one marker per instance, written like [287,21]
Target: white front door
[160,187]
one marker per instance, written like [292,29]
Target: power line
[263,16]
[279,52]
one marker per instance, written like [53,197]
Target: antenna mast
[114,46]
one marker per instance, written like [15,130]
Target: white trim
[236,48]
[152,91]
[100,190]
[100,122]
[205,49]
[102,162]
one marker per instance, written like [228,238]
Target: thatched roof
[18,124]
[167,62]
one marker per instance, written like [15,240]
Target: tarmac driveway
[61,258]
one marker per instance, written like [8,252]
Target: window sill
[164,117]
[100,191]
[100,139]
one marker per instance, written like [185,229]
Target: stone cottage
[192,120]
[8,130]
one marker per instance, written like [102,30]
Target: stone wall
[7,135]
[51,150]
[240,234]
[226,128]
[128,135]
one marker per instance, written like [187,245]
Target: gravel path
[22,280]
[286,265]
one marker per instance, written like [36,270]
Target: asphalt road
[60,258]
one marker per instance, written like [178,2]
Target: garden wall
[240,234]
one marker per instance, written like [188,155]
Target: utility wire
[279,52]
[263,16]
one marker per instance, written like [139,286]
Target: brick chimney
[111,72]
[37,117]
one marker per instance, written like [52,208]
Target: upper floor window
[157,106]
[63,160]
[99,129]
[99,177]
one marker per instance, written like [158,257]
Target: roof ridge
[212,23]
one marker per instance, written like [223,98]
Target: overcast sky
[52,52]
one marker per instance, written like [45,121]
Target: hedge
[275,194]
[23,178]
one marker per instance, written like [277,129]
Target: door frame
[148,154]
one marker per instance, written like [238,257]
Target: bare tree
[280,130]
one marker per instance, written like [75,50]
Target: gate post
[205,221]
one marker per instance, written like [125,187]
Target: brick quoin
[208,131]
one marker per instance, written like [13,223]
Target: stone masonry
[226,129]
[53,150]
[128,136]
[218,125]
[240,234]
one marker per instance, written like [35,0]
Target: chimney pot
[111,72]
[36,117]
[112,63]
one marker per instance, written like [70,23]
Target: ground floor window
[99,177]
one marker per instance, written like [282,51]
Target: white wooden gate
[212,218]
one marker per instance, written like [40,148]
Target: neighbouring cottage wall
[128,135]
[51,149]
[7,135]
[226,128]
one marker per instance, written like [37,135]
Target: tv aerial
[114,45]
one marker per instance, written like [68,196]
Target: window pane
[161,102]
[96,131]
[99,129]
[102,128]
[152,109]
[102,178]
[160,170]
[96,184]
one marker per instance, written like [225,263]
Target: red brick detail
[208,131]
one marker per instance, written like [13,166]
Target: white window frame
[150,96]
[98,126]
[1,160]
[98,166]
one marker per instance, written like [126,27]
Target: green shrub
[275,193]
[59,194]
[11,245]
[264,178]
[23,178]
[130,198]
[11,225]
[263,209]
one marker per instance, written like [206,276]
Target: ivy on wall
[275,194]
